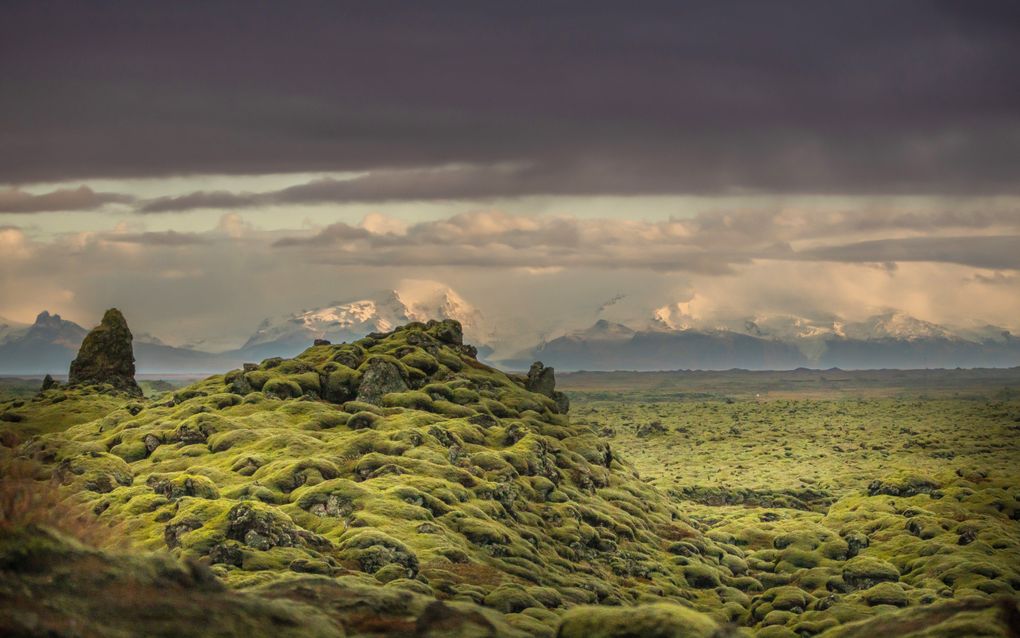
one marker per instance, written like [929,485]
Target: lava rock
[106,356]
[381,377]
[543,381]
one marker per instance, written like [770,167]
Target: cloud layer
[128,128]
[707,244]
[589,97]
[16,201]
[535,275]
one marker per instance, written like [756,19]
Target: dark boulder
[543,381]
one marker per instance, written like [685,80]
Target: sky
[205,165]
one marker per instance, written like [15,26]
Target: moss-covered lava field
[397,486]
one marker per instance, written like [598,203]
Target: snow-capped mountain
[671,337]
[896,325]
[675,337]
[888,325]
[789,327]
[893,324]
[353,319]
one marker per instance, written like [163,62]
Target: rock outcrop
[542,379]
[106,356]
[47,383]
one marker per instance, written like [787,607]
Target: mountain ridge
[892,339]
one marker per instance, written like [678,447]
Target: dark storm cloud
[163,238]
[593,97]
[199,199]
[713,243]
[13,200]
[994,252]
[448,182]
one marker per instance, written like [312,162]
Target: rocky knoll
[399,461]
[106,356]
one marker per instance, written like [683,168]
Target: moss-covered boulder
[379,377]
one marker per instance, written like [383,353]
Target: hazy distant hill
[49,345]
[607,346]
[884,341]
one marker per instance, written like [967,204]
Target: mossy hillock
[399,462]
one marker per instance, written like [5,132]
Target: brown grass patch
[672,532]
[27,500]
[476,573]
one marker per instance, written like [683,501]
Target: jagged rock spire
[106,356]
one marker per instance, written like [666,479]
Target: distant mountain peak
[896,324]
[603,329]
[414,300]
[54,329]
[45,318]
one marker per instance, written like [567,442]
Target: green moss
[364,420]
[421,360]
[482,493]
[257,379]
[341,384]
[413,400]
[651,621]
[511,599]
[451,409]
[862,572]
[886,594]
[282,389]
[375,550]
[464,396]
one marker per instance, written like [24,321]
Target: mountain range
[50,343]
[884,341]
[668,340]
